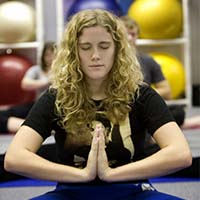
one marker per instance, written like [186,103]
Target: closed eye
[85,46]
[104,45]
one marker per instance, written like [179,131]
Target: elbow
[26,85]
[188,160]
[168,97]
[23,86]
[185,159]
[10,163]
[168,94]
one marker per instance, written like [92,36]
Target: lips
[95,66]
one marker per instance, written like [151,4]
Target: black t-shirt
[124,142]
[150,68]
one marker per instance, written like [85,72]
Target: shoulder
[49,96]
[148,98]
[42,114]
[33,69]
[147,59]
[45,102]
[144,93]
[144,57]
[151,108]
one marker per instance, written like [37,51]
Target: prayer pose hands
[97,164]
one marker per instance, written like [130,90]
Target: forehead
[94,33]
[48,52]
[132,29]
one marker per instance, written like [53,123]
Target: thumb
[101,141]
[95,140]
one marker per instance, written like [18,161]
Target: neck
[97,90]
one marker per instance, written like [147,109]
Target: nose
[95,54]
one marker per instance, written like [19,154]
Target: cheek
[82,57]
[83,61]
[112,57]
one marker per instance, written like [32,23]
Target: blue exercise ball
[79,5]
[125,4]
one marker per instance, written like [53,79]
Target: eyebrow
[84,43]
[90,43]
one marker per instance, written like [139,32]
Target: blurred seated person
[153,75]
[35,79]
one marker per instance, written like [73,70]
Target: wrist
[107,175]
[87,175]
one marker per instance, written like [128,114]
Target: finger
[92,157]
[98,129]
[101,141]
[94,145]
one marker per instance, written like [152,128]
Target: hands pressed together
[97,164]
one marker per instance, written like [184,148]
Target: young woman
[100,110]
[35,79]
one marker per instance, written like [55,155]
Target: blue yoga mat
[173,179]
[26,182]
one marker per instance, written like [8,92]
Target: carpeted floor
[22,193]
[186,190]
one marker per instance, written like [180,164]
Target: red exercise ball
[12,70]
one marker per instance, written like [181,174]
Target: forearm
[165,93]
[163,89]
[161,163]
[33,166]
[31,85]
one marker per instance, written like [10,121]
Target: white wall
[194,10]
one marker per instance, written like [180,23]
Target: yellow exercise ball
[157,19]
[17,22]
[173,71]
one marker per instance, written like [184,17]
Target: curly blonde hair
[75,108]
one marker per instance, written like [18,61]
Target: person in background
[153,76]
[99,108]
[35,79]
[150,68]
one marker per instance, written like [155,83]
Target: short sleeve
[32,72]
[157,74]
[151,69]
[41,115]
[153,110]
